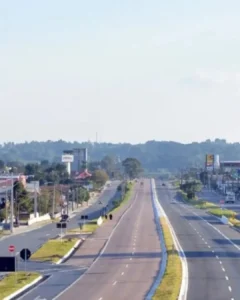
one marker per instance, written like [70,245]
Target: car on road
[230,197]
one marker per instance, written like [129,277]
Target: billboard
[67,158]
[209,164]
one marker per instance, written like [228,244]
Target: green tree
[132,167]
[23,202]
[100,177]
[2,164]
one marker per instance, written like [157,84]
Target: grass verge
[88,227]
[13,282]
[53,250]
[126,197]
[223,212]
[170,285]
[212,209]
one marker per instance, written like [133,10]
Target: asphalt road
[127,266]
[213,260]
[35,238]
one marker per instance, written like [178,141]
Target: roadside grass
[87,228]
[126,197]
[15,281]
[212,209]
[170,285]
[235,222]
[223,212]
[53,250]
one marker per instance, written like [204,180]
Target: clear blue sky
[131,70]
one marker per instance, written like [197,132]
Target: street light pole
[12,200]
[53,203]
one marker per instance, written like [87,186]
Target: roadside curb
[69,253]
[158,213]
[184,284]
[23,289]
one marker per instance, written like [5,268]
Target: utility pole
[6,206]
[35,200]
[11,205]
[53,202]
[67,200]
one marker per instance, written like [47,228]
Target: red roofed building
[84,175]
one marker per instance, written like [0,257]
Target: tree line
[154,155]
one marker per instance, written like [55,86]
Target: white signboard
[67,158]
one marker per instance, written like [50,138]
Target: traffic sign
[11,248]
[25,254]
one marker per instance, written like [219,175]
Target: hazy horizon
[130,70]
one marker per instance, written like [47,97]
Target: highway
[212,249]
[35,238]
[127,265]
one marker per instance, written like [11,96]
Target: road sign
[25,254]
[7,264]
[222,201]
[84,217]
[11,248]
[62,225]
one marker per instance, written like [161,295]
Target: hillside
[153,155]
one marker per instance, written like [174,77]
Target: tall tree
[132,167]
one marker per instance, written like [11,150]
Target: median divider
[13,285]
[173,267]
[56,251]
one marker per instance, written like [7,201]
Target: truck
[230,197]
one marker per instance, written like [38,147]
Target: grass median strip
[54,250]
[88,227]
[170,285]
[15,281]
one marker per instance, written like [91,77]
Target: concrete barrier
[39,219]
[224,220]
[99,221]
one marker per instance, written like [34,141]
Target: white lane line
[122,273]
[114,282]
[206,243]
[203,239]
[126,266]
[220,262]
[226,278]
[130,258]
[217,257]
[213,251]
[230,289]
[100,298]
[223,269]
[209,246]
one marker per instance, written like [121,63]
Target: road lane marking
[114,282]
[213,251]
[226,277]
[223,269]
[209,246]
[203,239]
[130,258]
[206,243]
[230,289]
[220,262]
[122,273]
[217,257]
[126,266]
[100,298]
